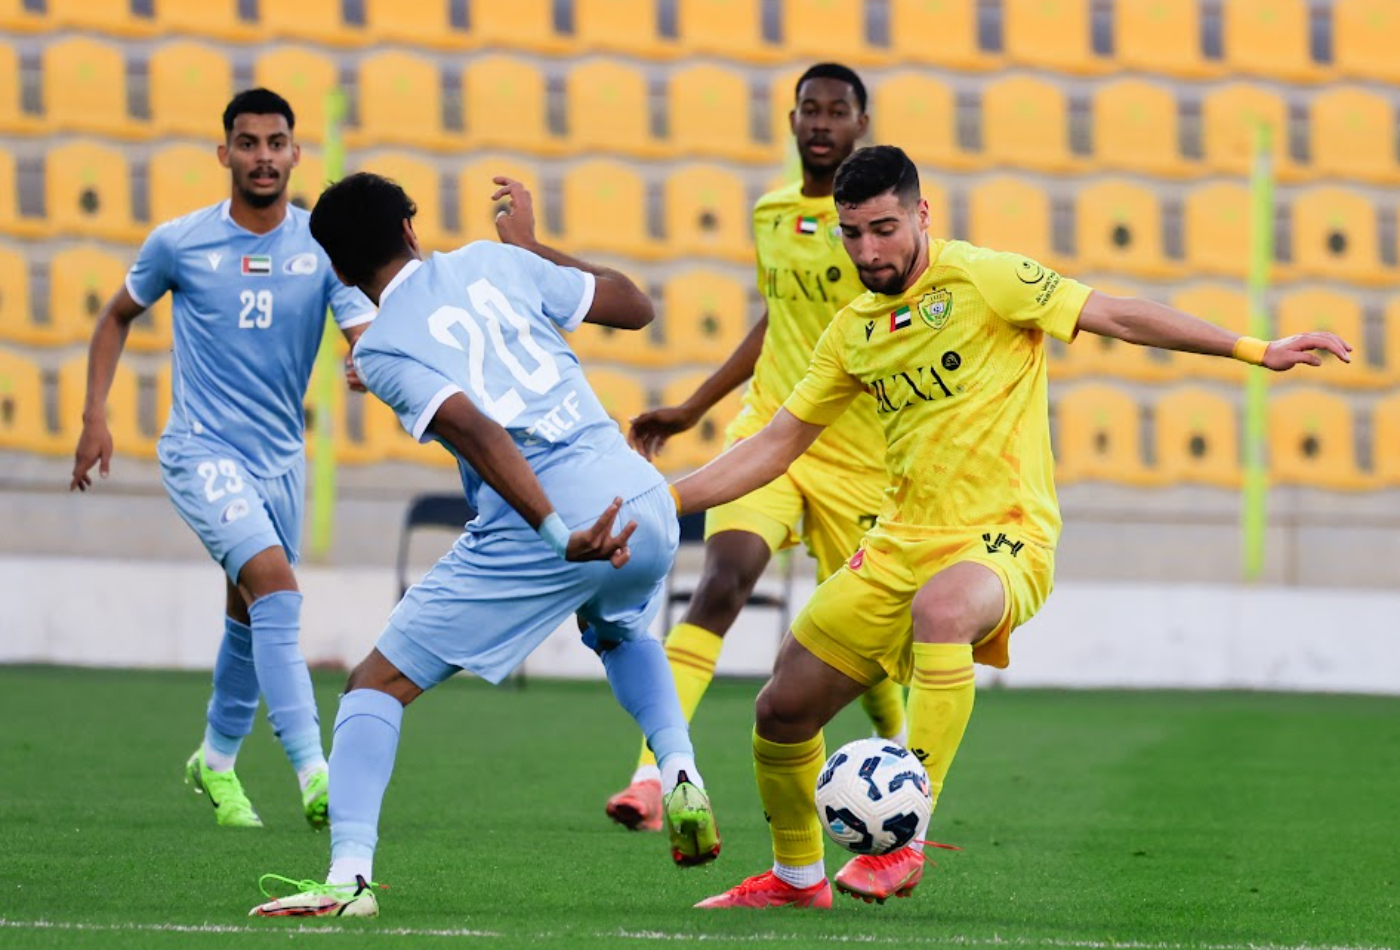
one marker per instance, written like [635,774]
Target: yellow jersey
[955,370]
[806,277]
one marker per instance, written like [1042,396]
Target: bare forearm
[732,374]
[555,256]
[1147,323]
[104,352]
[496,457]
[749,465]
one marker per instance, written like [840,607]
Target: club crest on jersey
[303,265]
[900,319]
[256,265]
[808,225]
[833,235]
[936,307]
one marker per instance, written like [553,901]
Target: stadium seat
[782,89]
[20,16]
[594,344]
[1025,124]
[1270,38]
[1161,36]
[190,84]
[84,88]
[704,317]
[1100,436]
[16,322]
[400,103]
[1135,128]
[941,33]
[699,445]
[1363,39]
[826,31]
[1385,441]
[123,409]
[11,222]
[112,18]
[1216,229]
[505,103]
[308,180]
[304,77]
[316,21]
[1051,34]
[1224,305]
[81,281]
[13,118]
[516,24]
[216,19]
[1312,440]
[1094,355]
[1010,214]
[726,29]
[621,26]
[609,109]
[605,210]
[1351,135]
[707,111]
[477,212]
[22,424]
[1335,234]
[920,113]
[620,393]
[940,217]
[423,182]
[1229,116]
[707,214]
[183,178]
[1390,347]
[1313,308]
[1118,227]
[1197,438]
[421,23]
[87,191]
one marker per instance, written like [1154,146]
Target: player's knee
[722,593]
[784,718]
[944,617]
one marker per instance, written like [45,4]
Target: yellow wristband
[675,496]
[1249,350]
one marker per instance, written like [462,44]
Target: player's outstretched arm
[650,430]
[751,464]
[1134,320]
[108,341]
[493,453]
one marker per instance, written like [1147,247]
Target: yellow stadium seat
[1335,234]
[13,118]
[1009,214]
[1385,440]
[1118,227]
[87,190]
[423,182]
[708,115]
[621,394]
[827,30]
[81,281]
[707,214]
[1269,38]
[1025,124]
[415,23]
[704,317]
[1161,36]
[190,84]
[84,88]
[516,24]
[113,18]
[183,178]
[1100,436]
[505,105]
[16,322]
[18,16]
[1136,129]
[400,103]
[594,343]
[1352,135]
[605,210]
[695,447]
[782,99]
[1197,438]
[1225,306]
[940,33]
[609,109]
[129,437]
[308,180]
[218,19]
[729,29]
[1093,355]
[1228,120]
[621,26]
[303,77]
[317,21]
[940,223]
[1312,440]
[1390,348]
[22,425]
[920,113]
[1051,34]
[1216,229]
[11,222]
[1313,308]
[1363,39]
[476,210]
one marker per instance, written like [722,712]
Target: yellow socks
[884,704]
[692,652]
[787,781]
[940,703]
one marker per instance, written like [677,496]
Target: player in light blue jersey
[467,350]
[251,287]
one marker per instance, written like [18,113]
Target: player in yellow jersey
[948,348]
[832,494]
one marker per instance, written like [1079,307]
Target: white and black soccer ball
[873,796]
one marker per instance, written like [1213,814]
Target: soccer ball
[873,796]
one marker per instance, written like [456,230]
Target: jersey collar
[404,273]
[225,207]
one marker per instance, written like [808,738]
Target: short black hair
[359,222]
[873,171]
[834,71]
[258,101]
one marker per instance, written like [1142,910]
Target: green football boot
[231,806]
[690,823]
[316,801]
[318,900]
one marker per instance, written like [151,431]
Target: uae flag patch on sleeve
[807,225]
[257,265]
[899,319]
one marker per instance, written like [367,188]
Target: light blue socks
[234,702]
[362,761]
[641,680]
[284,679]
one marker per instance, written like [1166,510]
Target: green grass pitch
[1144,820]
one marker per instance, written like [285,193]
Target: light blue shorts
[235,514]
[497,595]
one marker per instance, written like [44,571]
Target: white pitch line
[300,929]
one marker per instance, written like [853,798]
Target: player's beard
[261,199]
[891,282]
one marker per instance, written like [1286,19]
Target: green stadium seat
[506,101]
[87,191]
[609,109]
[304,77]
[1270,38]
[22,426]
[1336,234]
[704,317]
[708,110]
[1161,36]
[1197,438]
[190,84]
[1363,39]
[920,113]
[707,214]
[84,88]
[1025,124]
[1051,34]
[1352,136]
[941,33]
[1118,227]
[1010,214]
[1100,436]
[1312,441]
[1135,128]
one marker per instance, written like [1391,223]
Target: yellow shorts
[825,506]
[859,621]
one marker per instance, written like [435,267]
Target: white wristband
[555,533]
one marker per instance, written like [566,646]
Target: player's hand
[650,430]
[94,448]
[352,375]
[1304,348]
[598,543]
[516,223]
